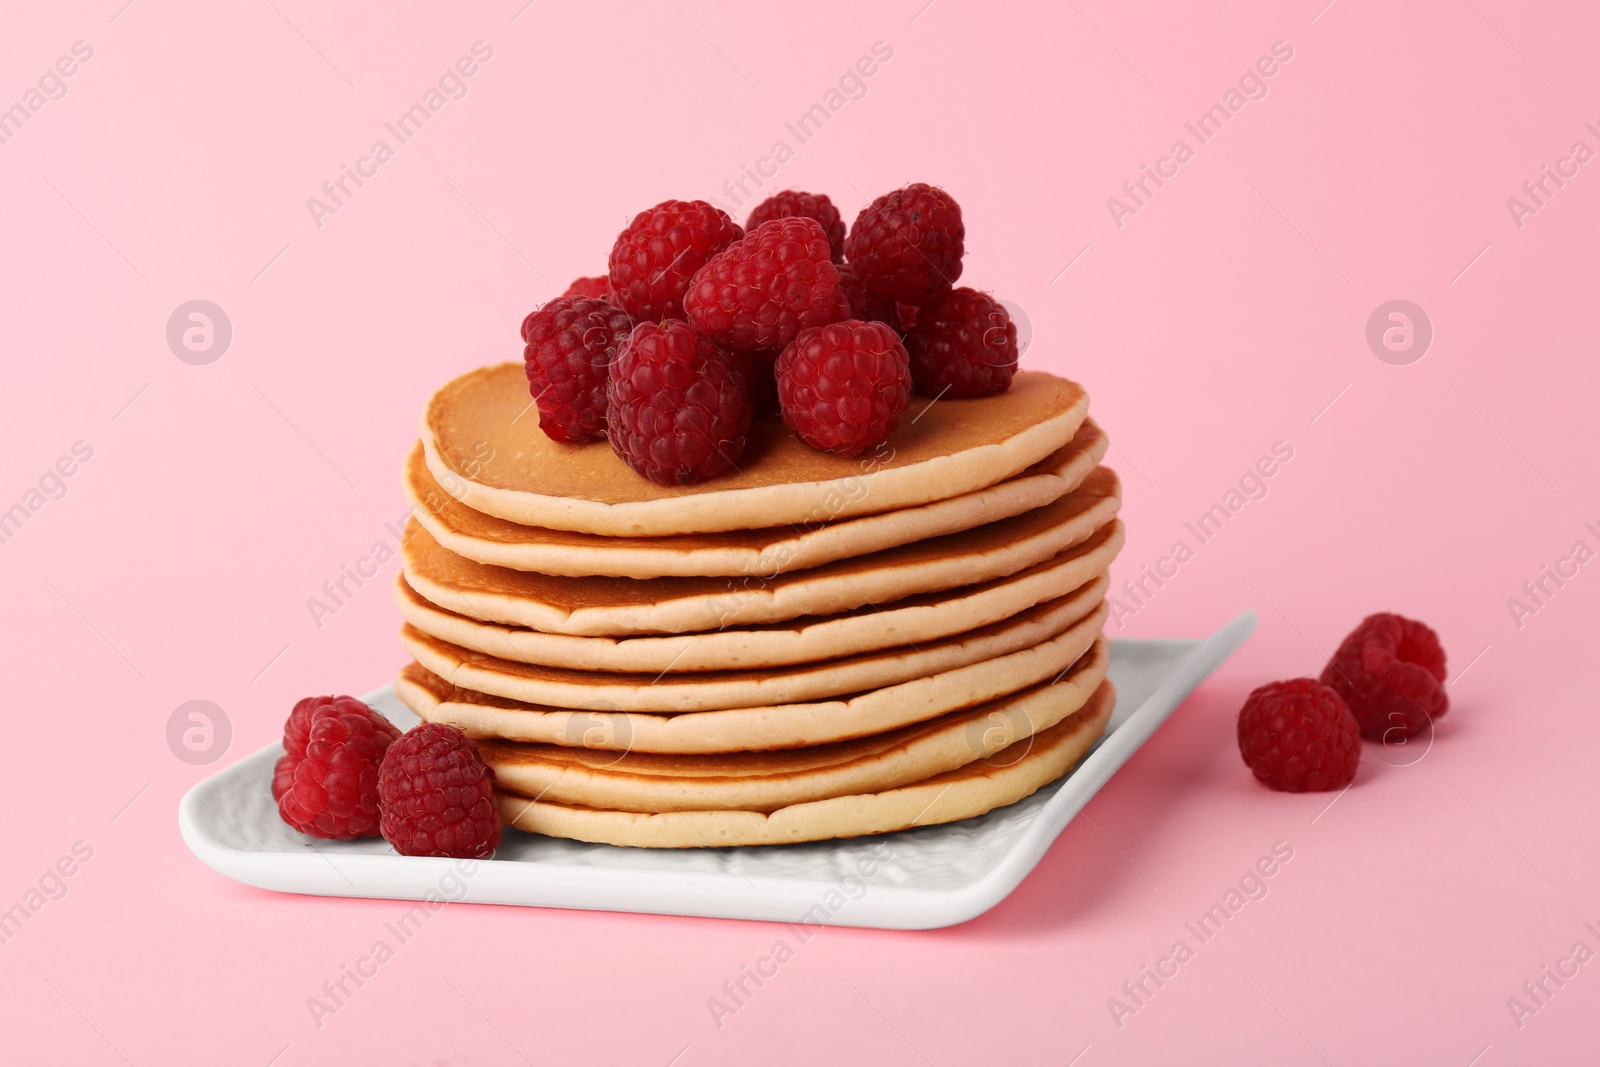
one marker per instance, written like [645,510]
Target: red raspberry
[283,775]
[1390,670]
[1298,736]
[678,406]
[907,245]
[865,305]
[791,204]
[964,344]
[326,782]
[658,253]
[297,727]
[760,291]
[570,345]
[296,735]
[595,288]
[438,797]
[843,387]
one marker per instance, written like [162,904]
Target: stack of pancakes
[812,646]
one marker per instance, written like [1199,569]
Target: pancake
[903,669]
[967,791]
[486,539]
[906,622]
[482,442]
[752,729]
[766,781]
[711,690]
[592,606]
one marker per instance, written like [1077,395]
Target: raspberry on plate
[843,387]
[792,203]
[1391,672]
[677,406]
[964,344]
[1298,736]
[438,797]
[866,305]
[763,289]
[597,288]
[326,782]
[654,258]
[907,245]
[570,345]
[296,734]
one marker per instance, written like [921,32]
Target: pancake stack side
[808,647]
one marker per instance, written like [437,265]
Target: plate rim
[895,907]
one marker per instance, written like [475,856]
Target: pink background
[1227,314]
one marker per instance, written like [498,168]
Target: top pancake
[776,550]
[482,442]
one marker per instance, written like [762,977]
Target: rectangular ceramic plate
[915,879]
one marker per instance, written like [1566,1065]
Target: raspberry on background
[964,344]
[677,406]
[791,203]
[570,345]
[1391,671]
[597,288]
[654,258]
[907,244]
[326,782]
[437,795]
[1298,736]
[766,287]
[866,305]
[843,387]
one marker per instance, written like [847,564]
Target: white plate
[915,879]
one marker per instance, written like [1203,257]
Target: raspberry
[326,782]
[907,245]
[438,797]
[678,406]
[1298,736]
[865,305]
[297,727]
[598,288]
[296,735]
[791,204]
[654,258]
[1390,670]
[760,291]
[570,345]
[843,387]
[282,776]
[964,344]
